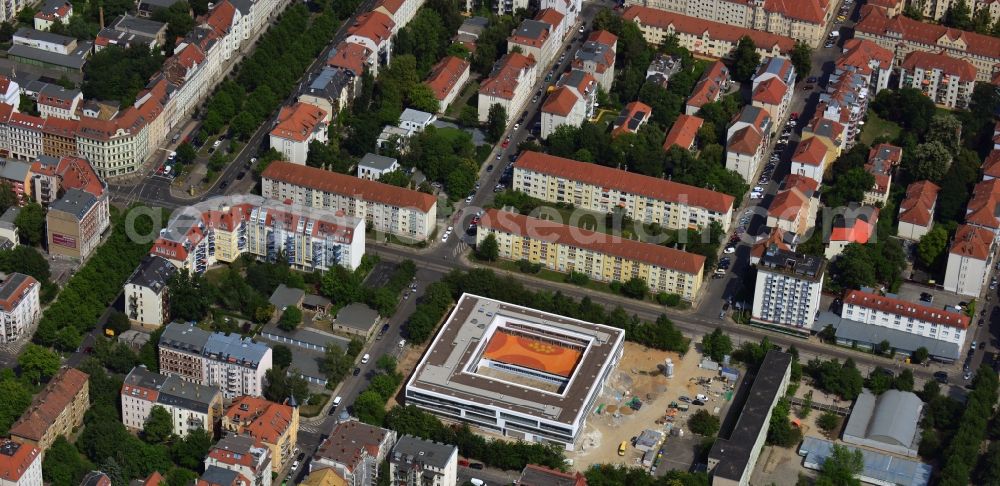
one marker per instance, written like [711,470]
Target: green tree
[958,15]
[947,129]
[488,249]
[190,297]
[38,363]
[119,74]
[180,476]
[828,421]
[26,260]
[63,464]
[335,364]
[850,187]
[929,161]
[31,224]
[158,427]
[191,451]
[716,345]
[801,57]
[282,384]
[16,398]
[920,355]
[745,59]
[496,122]
[8,198]
[422,98]
[635,288]
[841,468]
[118,322]
[469,116]
[282,356]
[704,423]
[932,245]
[370,408]
[904,382]
[290,319]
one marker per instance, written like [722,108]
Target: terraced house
[704,37]
[597,188]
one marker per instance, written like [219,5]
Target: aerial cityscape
[504,242]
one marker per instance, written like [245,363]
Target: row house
[713,84]
[683,133]
[801,19]
[330,90]
[794,208]
[20,307]
[570,10]
[57,101]
[602,257]
[352,59]
[916,211]
[704,37]
[535,39]
[373,30]
[773,86]
[747,140]
[787,289]
[889,311]
[603,189]
[227,362]
[509,85]
[882,161]
[597,57]
[970,259]
[297,126]
[191,406]
[56,410]
[573,102]
[273,425]
[447,79]
[811,159]
[59,137]
[946,80]
[22,134]
[903,35]
[828,132]
[404,213]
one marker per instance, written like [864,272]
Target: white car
[756,195]
[295,465]
[758,189]
[445,236]
[729,250]
[468,200]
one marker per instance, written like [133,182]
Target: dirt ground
[780,466]
[405,363]
[640,374]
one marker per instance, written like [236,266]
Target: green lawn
[876,128]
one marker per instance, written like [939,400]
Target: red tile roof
[810,152]
[327,181]
[875,22]
[603,37]
[628,182]
[550,16]
[918,205]
[770,91]
[776,238]
[60,99]
[972,241]
[375,26]
[900,307]
[698,27]
[221,17]
[940,61]
[746,140]
[350,56]
[984,206]
[297,122]
[49,403]
[13,466]
[15,295]
[391,6]
[683,132]
[560,102]
[59,12]
[634,110]
[260,419]
[807,185]
[60,127]
[504,79]
[74,172]
[26,121]
[550,231]
[857,229]
[787,204]
[445,75]
[991,165]
[549,477]
[4,84]
[812,11]
[861,52]
[709,88]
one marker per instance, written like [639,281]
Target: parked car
[698,402]
[941,376]
[684,399]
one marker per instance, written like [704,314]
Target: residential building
[773,86]
[331,89]
[59,137]
[297,126]
[747,140]
[147,298]
[570,9]
[903,35]
[969,260]
[732,459]
[535,475]
[57,101]
[805,20]
[882,159]
[631,119]
[308,238]
[352,59]
[23,136]
[714,83]
[916,211]
[50,52]
[228,362]
[869,59]
[683,133]
[385,208]
[400,11]
[471,29]
[704,37]
[154,479]
[9,233]
[601,257]
[374,30]
[357,319]
[946,80]
[447,79]
[191,406]
[991,164]
[661,69]
[75,222]
[56,410]
[854,224]
[20,464]
[888,422]
[829,132]
[217,476]
[983,208]
[244,455]
[845,101]
[811,159]
[10,92]
[50,12]
[372,167]
[324,477]
[787,290]
[16,175]
[19,307]
[419,462]
[503,374]
[128,30]
[95,478]
[355,450]
[573,102]
[537,39]
[52,177]
[508,85]
[892,7]
[275,425]
[597,188]
[892,312]
[597,57]
[415,121]
[794,207]
[936,9]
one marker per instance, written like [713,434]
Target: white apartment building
[191,406]
[572,103]
[811,159]
[415,121]
[946,80]
[536,40]
[243,455]
[147,302]
[20,464]
[603,189]
[704,37]
[54,100]
[418,462]
[508,85]
[787,290]
[372,167]
[374,31]
[773,86]
[936,9]
[894,313]
[867,58]
[355,450]
[969,260]
[232,364]
[385,208]
[570,9]
[747,140]
[23,136]
[20,308]
[297,126]
[400,11]
[916,211]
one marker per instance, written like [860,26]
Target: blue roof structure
[879,468]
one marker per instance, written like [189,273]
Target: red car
[795,116]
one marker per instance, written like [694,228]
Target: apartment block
[936,9]
[869,59]
[683,133]
[882,162]
[713,84]
[355,450]
[773,86]
[243,455]
[56,410]
[704,37]
[20,464]
[75,222]
[946,80]
[447,79]
[601,257]
[385,208]
[20,307]
[916,211]
[52,11]
[597,57]
[969,260]
[298,126]
[509,85]
[787,290]
[536,39]
[573,102]
[603,189]
[374,31]
[191,406]
[794,207]
[400,11]
[811,159]
[147,298]
[228,362]
[891,312]
[274,425]
[418,462]
[56,101]
[747,140]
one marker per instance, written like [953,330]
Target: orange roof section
[324,180]
[48,404]
[375,26]
[445,75]
[603,37]
[13,466]
[972,241]
[698,27]
[504,79]
[683,132]
[350,56]
[787,204]
[942,62]
[874,21]
[812,11]
[904,308]
[560,102]
[984,204]
[861,52]
[709,88]
[856,229]
[297,122]
[918,205]
[991,165]
[746,140]
[550,16]
[550,231]
[535,354]
[261,419]
[770,91]
[807,185]
[810,152]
